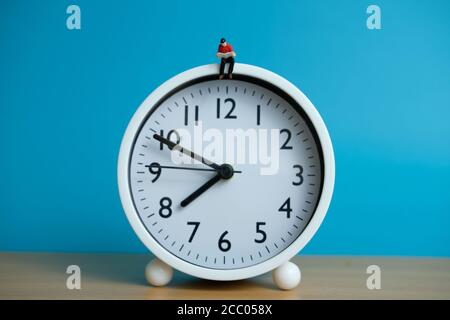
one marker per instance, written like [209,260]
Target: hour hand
[225,172]
[194,195]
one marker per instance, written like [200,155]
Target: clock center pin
[226,171]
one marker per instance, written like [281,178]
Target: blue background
[66,98]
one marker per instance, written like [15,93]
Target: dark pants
[229,60]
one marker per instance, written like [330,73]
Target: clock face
[246,219]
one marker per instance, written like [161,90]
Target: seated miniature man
[226,53]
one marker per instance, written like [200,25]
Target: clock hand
[173,145]
[225,172]
[184,168]
[200,190]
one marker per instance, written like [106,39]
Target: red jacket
[225,49]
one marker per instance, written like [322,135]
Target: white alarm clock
[226,179]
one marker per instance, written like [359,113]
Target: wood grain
[120,276]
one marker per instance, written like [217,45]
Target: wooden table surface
[120,276]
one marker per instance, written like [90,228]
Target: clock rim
[153,100]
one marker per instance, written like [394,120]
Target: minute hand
[173,145]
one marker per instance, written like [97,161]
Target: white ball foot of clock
[287,276]
[158,273]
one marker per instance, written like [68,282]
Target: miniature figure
[227,54]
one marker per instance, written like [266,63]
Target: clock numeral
[230,114]
[224,244]
[299,175]
[169,136]
[263,234]
[196,225]
[285,145]
[258,115]
[186,115]
[154,168]
[286,207]
[165,211]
